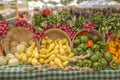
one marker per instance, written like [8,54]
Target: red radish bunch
[65,27]
[23,23]
[89,26]
[4,28]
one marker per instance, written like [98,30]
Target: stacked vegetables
[94,47]
[113,48]
[55,53]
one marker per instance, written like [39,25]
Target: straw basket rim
[59,31]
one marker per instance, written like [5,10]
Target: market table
[18,73]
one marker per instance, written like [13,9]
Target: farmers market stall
[60,42]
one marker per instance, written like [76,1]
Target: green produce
[95,38]
[87,63]
[80,51]
[89,52]
[64,16]
[100,55]
[82,46]
[78,24]
[114,65]
[76,42]
[79,63]
[94,58]
[97,19]
[53,19]
[97,66]
[108,57]
[95,47]
[103,61]
[84,39]
[75,51]
[112,24]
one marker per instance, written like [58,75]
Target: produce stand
[44,41]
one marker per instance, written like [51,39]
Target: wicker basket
[58,34]
[113,36]
[17,34]
[92,33]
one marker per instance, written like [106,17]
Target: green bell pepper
[84,39]
[75,51]
[89,52]
[108,57]
[103,61]
[79,63]
[95,38]
[114,65]
[82,45]
[94,58]
[97,66]
[87,63]
[76,42]
[95,47]
[80,51]
[99,54]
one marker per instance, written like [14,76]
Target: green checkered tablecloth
[17,73]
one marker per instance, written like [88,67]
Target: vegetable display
[95,48]
[113,47]
[55,53]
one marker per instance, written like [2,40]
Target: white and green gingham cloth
[17,73]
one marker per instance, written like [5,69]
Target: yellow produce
[43,41]
[43,51]
[49,41]
[64,41]
[71,55]
[35,61]
[63,58]
[58,62]
[53,52]
[42,46]
[51,47]
[65,63]
[17,55]
[29,53]
[50,58]
[36,54]
[29,60]
[21,55]
[24,58]
[41,60]
[68,49]
[52,63]
[113,47]
[43,56]
[31,47]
